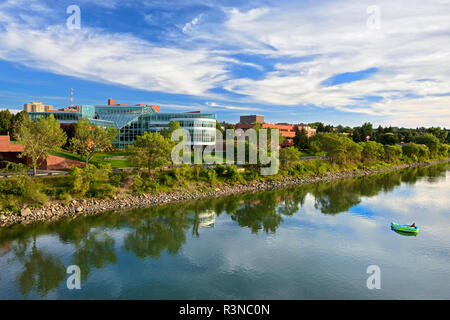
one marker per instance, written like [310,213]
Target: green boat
[404,228]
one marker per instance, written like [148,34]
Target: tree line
[385,135]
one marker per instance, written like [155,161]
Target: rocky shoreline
[75,208]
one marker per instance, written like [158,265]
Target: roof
[6,146]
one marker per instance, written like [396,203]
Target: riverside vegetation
[152,172]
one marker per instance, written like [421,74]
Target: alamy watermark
[374,19]
[374,280]
[252,147]
[74,280]
[73,22]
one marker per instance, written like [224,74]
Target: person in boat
[413,225]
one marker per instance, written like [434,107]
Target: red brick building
[10,152]
[287,130]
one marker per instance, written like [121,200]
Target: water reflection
[42,271]
[157,230]
[150,233]
[405,234]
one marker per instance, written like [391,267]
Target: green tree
[339,148]
[439,133]
[424,153]
[150,151]
[363,133]
[93,181]
[371,152]
[90,139]
[392,153]
[17,120]
[316,125]
[40,138]
[367,130]
[289,156]
[443,150]
[5,122]
[167,133]
[411,151]
[219,127]
[342,129]
[430,141]
[388,138]
[301,140]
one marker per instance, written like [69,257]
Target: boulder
[25,212]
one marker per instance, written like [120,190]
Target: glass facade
[133,121]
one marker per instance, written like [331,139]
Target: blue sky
[340,62]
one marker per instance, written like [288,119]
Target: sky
[338,62]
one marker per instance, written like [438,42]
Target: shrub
[371,152]
[220,170]
[388,138]
[117,178]
[64,197]
[21,189]
[424,153]
[289,157]
[410,151]
[430,141]
[34,195]
[167,178]
[443,150]
[197,169]
[92,181]
[339,148]
[250,175]
[392,153]
[9,203]
[138,185]
[232,175]
[12,186]
[212,176]
[300,168]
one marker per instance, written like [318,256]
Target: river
[308,242]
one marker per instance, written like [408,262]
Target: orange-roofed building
[10,152]
[287,130]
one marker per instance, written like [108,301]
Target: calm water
[309,242]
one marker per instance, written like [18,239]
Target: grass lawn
[116,159]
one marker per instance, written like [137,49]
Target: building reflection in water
[207,219]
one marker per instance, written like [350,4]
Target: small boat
[404,228]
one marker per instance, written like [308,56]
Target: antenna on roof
[71,97]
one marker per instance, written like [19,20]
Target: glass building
[133,121]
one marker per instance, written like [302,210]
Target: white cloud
[411,44]
[113,58]
[228,107]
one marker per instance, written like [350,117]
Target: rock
[2,217]
[79,209]
[25,212]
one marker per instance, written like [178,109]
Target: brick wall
[59,163]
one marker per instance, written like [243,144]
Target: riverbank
[57,210]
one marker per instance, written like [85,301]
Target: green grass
[98,158]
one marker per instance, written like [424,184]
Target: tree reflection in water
[147,233]
[42,271]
